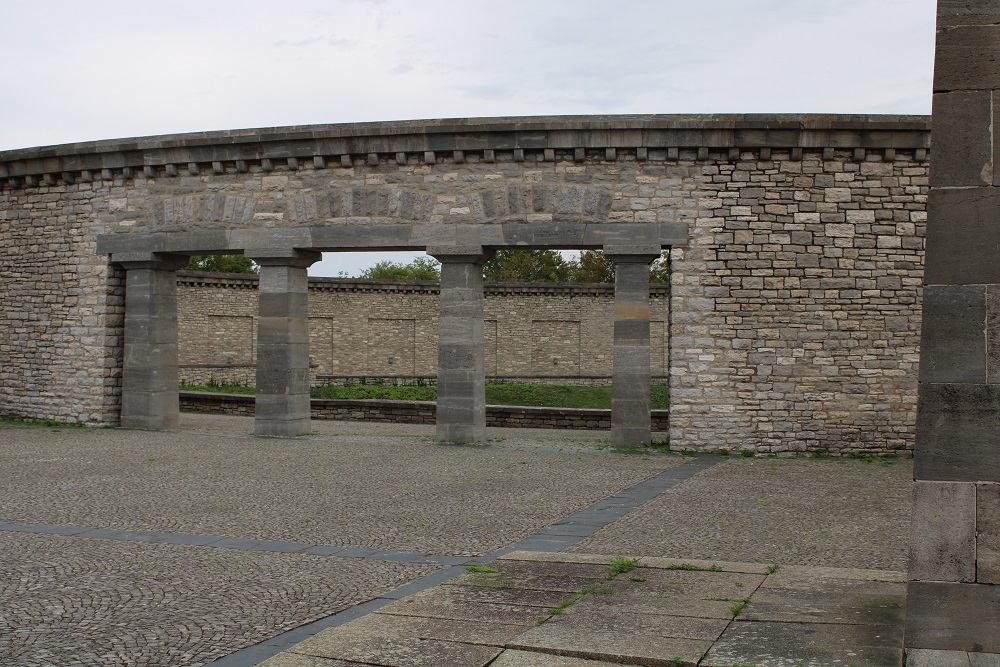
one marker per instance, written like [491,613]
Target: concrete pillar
[953,589]
[149,373]
[282,405]
[461,380]
[630,366]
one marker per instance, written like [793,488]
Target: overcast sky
[79,71]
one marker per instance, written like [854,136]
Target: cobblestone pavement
[72,601]
[843,513]
[76,600]
[383,492]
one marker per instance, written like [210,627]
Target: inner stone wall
[794,313]
[385,330]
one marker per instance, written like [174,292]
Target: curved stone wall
[796,245]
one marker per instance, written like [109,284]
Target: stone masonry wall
[388,330]
[796,311]
[794,314]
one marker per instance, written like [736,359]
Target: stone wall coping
[249,281]
[430,140]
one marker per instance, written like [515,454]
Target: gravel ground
[69,601]
[843,513]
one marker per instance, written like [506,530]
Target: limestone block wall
[796,306]
[797,249]
[386,330]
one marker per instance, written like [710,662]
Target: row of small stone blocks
[429,157]
[418,412]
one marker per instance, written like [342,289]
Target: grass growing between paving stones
[694,568]
[541,395]
[479,568]
[621,565]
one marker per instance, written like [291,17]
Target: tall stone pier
[953,595]
[630,390]
[461,381]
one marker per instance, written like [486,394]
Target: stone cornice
[530,139]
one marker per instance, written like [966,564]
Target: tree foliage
[221,264]
[523,266]
[421,268]
[528,266]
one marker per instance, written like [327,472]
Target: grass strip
[541,395]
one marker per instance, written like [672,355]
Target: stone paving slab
[513,658]
[768,644]
[651,615]
[830,601]
[410,642]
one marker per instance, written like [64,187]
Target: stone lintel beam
[630,366]
[282,406]
[149,368]
[157,261]
[283,257]
[461,381]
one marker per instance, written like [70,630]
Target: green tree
[527,266]
[659,272]
[593,267]
[421,268]
[221,264]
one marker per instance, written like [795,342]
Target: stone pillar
[630,367]
[282,405]
[461,379]
[953,592]
[149,369]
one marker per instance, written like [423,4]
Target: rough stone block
[963,236]
[952,13]
[943,538]
[953,617]
[958,433]
[967,58]
[953,347]
[632,332]
[963,140]
[988,533]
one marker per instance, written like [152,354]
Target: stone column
[461,380]
[149,369]
[282,405]
[630,366]
[953,592]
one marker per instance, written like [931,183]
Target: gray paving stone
[627,638]
[767,644]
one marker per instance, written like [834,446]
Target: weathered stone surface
[410,642]
[987,533]
[944,546]
[962,237]
[957,428]
[963,142]
[955,617]
[770,644]
[952,340]
[613,637]
[968,56]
